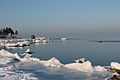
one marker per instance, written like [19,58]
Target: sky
[61,16]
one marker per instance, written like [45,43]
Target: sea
[99,50]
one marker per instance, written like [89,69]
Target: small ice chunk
[28,50]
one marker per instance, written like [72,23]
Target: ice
[28,50]
[24,43]
[29,64]
[115,65]
[82,60]
[27,60]
[53,62]
[21,42]
[16,70]
[63,38]
[10,73]
[6,56]
[34,63]
[11,45]
[83,67]
[40,40]
[4,53]
[18,44]
[100,68]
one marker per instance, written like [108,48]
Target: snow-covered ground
[13,67]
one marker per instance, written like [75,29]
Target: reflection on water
[75,48]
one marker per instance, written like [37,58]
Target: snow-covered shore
[12,66]
[21,42]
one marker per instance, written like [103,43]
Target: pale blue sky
[61,16]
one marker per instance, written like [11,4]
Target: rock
[116,75]
[32,36]
[114,70]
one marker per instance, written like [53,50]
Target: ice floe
[64,38]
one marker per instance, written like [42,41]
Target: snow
[24,43]
[40,40]
[21,42]
[9,73]
[14,70]
[28,50]
[53,62]
[100,68]
[83,67]
[63,38]
[115,65]
[11,45]
[7,57]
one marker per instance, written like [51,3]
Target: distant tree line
[8,30]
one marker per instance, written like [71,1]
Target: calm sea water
[74,48]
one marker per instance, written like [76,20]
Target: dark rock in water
[80,61]
[114,70]
[51,40]
[32,36]
[29,52]
[100,41]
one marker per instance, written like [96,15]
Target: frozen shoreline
[13,66]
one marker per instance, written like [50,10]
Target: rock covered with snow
[115,65]
[40,40]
